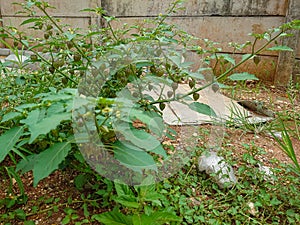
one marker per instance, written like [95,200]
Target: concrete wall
[218,20]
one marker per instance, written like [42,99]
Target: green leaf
[25,106]
[202,108]
[228,58]
[20,214]
[140,138]
[31,20]
[137,220]
[113,218]
[242,76]
[27,164]
[144,140]
[29,222]
[10,116]
[123,189]
[132,156]
[156,218]
[47,124]
[127,201]
[70,36]
[8,140]
[13,173]
[246,56]
[280,48]
[143,63]
[151,119]
[32,117]
[49,160]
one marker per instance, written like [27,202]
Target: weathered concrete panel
[265,70]
[124,8]
[62,7]
[286,61]
[74,22]
[219,29]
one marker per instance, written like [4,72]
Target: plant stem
[61,30]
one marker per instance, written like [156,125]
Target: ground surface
[60,185]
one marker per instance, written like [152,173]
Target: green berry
[256,59]
[196,96]
[170,94]
[77,57]
[51,69]
[162,106]
[33,57]
[192,83]
[174,85]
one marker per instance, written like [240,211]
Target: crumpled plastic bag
[211,163]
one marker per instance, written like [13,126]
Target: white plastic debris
[268,173]
[211,163]
[252,210]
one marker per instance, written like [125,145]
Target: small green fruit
[162,106]
[135,94]
[55,64]
[174,86]
[61,62]
[49,27]
[33,57]
[215,87]
[51,69]
[196,96]
[70,44]
[46,36]
[256,59]
[150,87]
[77,57]
[159,72]
[170,94]
[192,84]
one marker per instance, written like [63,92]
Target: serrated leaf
[196,75]
[161,217]
[113,218]
[10,116]
[58,97]
[202,108]
[70,36]
[143,63]
[27,164]
[144,140]
[246,56]
[31,20]
[32,117]
[47,124]
[280,48]
[49,160]
[228,58]
[127,201]
[133,156]
[151,119]
[156,218]
[25,106]
[123,189]
[242,76]
[8,140]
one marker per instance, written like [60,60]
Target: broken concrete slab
[179,112]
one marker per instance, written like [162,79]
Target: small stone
[211,163]
[252,209]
